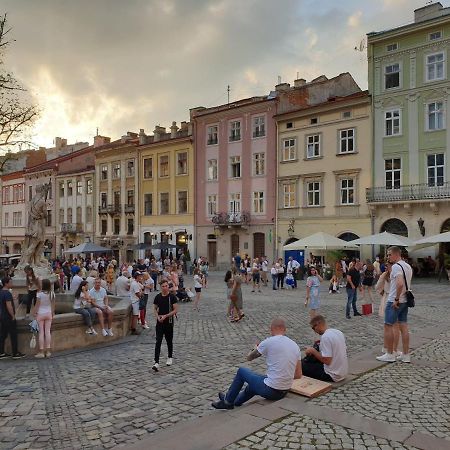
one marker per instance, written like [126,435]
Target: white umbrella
[319,241]
[436,239]
[87,247]
[384,238]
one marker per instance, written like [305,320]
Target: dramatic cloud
[124,65]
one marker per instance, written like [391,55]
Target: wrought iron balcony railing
[129,208]
[225,219]
[408,193]
[71,228]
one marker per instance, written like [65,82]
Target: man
[283,366]
[76,279]
[264,270]
[353,284]
[165,307]
[91,278]
[237,261]
[396,309]
[8,323]
[123,284]
[293,265]
[101,302]
[329,362]
[136,293]
[256,276]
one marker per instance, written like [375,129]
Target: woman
[148,287]
[368,279]
[229,282]
[236,298]
[312,291]
[198,284]
[83,306]
[274,273]
[44,313]
[204,270]
[33,286]
[280,270]
[110,277]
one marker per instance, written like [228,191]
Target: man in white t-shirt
[330,362]
[123,284]
[293,265]
[283,366]
[101,303]
[264,270]
[76,280]
[136,293]
[396,309]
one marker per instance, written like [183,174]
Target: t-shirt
[76,281]
[164,304]
[122,286]
[264,265]
[81,301]
[149,285]
[197,281]
[237,260]
[332,344]
[356,277]
[98,296]
[90,282]
[135,289]
[282,355]
[6,296]
[45,306]
[396,271]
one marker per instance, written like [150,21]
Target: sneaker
[387,357]
[398,355]
[169,362]
[155,367]
[222,404]
[139,321]
[19,355]
[110,332]
[104,332]
[39,355]
[4,355]
[88,331]
[145,326]
[93,332]
[357,314]
[348,317]
[48,354]
[384,350]
[406,358]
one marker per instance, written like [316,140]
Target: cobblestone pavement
[108,396]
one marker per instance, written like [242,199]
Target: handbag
[367,309]
[410,302]
[33,341]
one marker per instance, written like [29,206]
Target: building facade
[235,148]
[410,88]
[324,160]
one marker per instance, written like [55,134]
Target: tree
[17,113]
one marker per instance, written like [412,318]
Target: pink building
[235,147]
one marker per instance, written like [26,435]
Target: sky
[123,65]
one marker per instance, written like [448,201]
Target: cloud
[355,19]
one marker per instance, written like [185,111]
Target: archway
[348,236]
[395,226]
[17,248]
[445,246]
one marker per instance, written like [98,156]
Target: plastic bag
[34,326]
[33,341]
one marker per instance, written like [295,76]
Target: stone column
[109,231]
[96,192]
[123,198]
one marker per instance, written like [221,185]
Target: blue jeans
[155,279]
[352,295]
[255,386]
[274,281]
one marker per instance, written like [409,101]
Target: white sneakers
[145,326]
[393,357]
[94,333]
[169,362]
[405,358]
[40,355]
[110,332]
[155,367]
[104,332]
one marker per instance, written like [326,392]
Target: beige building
[324,163]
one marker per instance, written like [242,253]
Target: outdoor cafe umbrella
[88,247]
[163,246]
[320,241]
[384,238]
[432,240]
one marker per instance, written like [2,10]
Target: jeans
[88,315]
[280,280]
[164,329]
[274,281]
[8,327]
[315,369]
[352,295]
[154,276]
[255,386]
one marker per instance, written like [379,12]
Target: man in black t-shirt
[353,282]
[165,307]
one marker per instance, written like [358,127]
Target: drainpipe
[275,254]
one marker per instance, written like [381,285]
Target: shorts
[135,308]
[256,277]
[367,282]
[392,315]
[198,289]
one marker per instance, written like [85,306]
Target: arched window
[395,226]
[89,214]
[445,226]
[348,236]
[78,214]
[69,215]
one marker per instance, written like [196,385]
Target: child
[198,284]
[334,285]
[44,313]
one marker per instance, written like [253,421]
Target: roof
[13,175]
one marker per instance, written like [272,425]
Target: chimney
[190,127]
[183,126]
[142,137]
[282,87]
[299,82]
[101,140]
[430,12]
[158,132]
[60,142]
[173,130]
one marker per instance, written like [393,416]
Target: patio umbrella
[319,241]
[431,240]
[88,247]
[163,246]
[142,246]
[384,238]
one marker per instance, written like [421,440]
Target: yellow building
[166,177]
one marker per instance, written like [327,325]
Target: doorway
[234,245]
[259,248]
[212,253]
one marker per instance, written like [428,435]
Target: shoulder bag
[410,302]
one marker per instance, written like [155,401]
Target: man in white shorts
[104,311]
[136,292]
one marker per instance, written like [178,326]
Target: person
[274,274]
[265,269]
[204,267]
[100,302]
[236,298]
[229,283]
[396,307]
[198,288]
[329,361]
[312,291]
[237,261]
[33,286]
[368,280]
[165,307]
[123,284]
[294,266]
[280,270]
[334,285]
[8,323]
[154,271]
[283,366]
[256,276]
[136,294]
[82,305]
[44,312]
[76,279]
[148,284]
[353,280]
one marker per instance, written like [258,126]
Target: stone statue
[32,252]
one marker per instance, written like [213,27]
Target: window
[182,163]
[116,170]
[103,199]
[164,166]
[392,173]
[435,35]
[313,193]
[89,186]
[148,168]
[212,169]
[89,214]
[392,122]
[78,213]
[30,193]
[235,131]
[314,121]
[435,112]
[61,189]
[79,187]
[148,204]
[61,215]
[49,218]
[130,168]
[435,67]
[347,191]
[235,204]
[164,203]
[235,167]
[116,198]
[69,188]
[130,226]
[313,146]
[289,153]
[290,125]
[213,132]
[258,202]
[435,170]
[392,76]
[259,163]
[50,191]
[259,126]
[104,172]
[116,229]
[17,193]
[104,227]
[347,141]
[6,219]
[69,215]
[289,195]
[17,219]
[6,194]
[212,205]
[392,47]
[130,197]
[182,202]
[346,114]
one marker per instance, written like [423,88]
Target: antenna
[228,93]
[362,45]
[97,132]
[298,74]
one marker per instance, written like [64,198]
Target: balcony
[129,209]
[103,209]
[114,210]
[71,228]
[231,219]
[408,193]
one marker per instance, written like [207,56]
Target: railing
[408,193]
[114,209]
[224,219]
[129,208]
[103,209]
[71,228]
